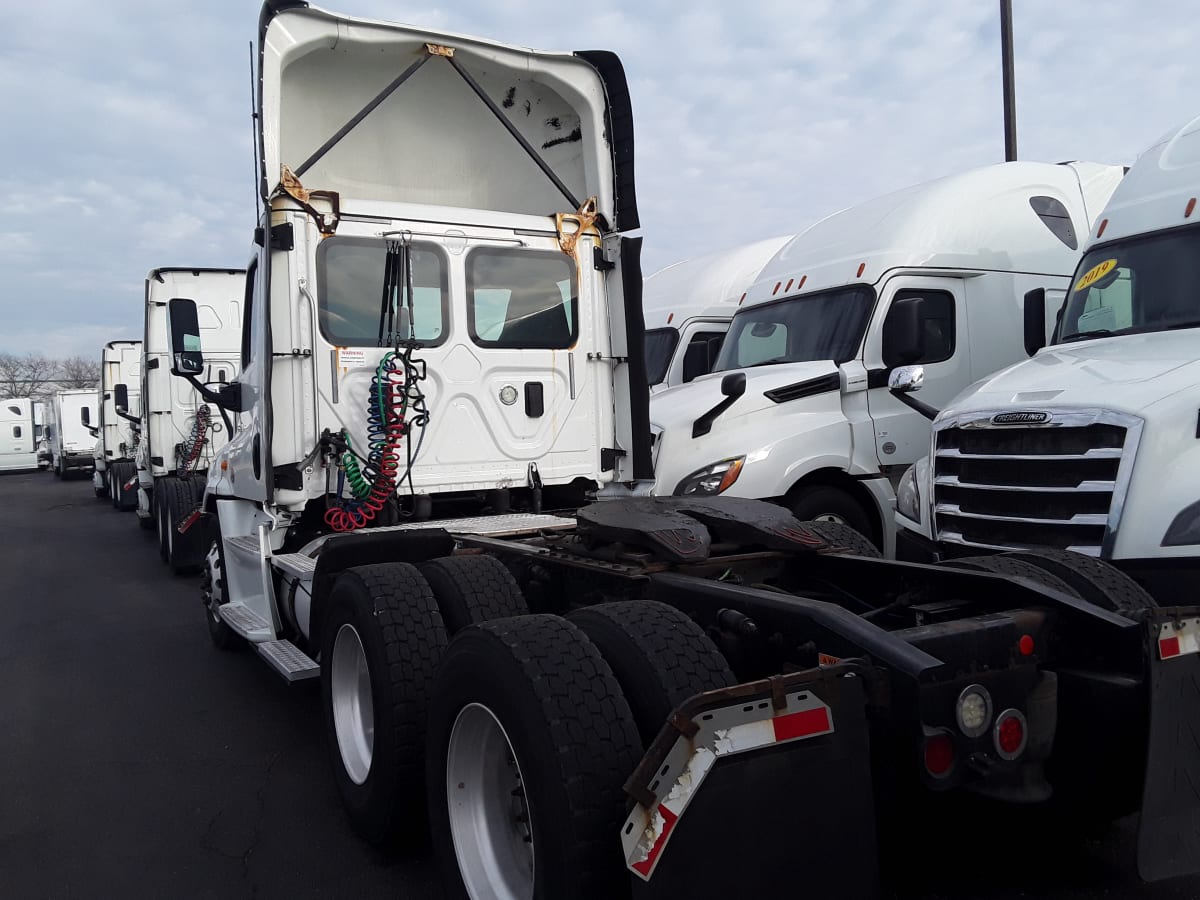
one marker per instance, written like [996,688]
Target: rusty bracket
[684,725]
[326,223]
[778,693]
[439,50]
[583,220]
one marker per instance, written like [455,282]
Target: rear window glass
[522,299]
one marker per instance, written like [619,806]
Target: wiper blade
[1086,335]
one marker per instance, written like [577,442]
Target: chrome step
[246,622]
[288,660]
[297,565]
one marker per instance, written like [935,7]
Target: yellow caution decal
[1095,273]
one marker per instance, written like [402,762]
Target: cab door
[901,433]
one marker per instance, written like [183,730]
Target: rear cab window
[522,299]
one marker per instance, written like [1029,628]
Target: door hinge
[295,351]
[609,457]
[601,262]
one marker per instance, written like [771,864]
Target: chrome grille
[1055,484]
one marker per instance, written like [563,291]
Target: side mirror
[733,385]
[121,397]
[1035,320]
[906,379]
[183,334]
[695,361]
[904,332]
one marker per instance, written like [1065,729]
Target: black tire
[126,497]
[1013,568]
[392,611]
[159,503]
[819,501]
[214,594]
[659,656]
[185,552]
[573,739]
[1095,581]
[844,539]
[473,589]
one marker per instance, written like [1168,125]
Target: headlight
[908,495]
[712,479]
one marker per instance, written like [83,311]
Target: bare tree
[76,372]
[30,375]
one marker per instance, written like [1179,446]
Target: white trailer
[1091,445]
[115,473]
[72,429]
[180,431]
[798,409]
[18,435]
[687,307]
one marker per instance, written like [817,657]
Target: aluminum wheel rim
[353,709]
[489,811]
[831,517]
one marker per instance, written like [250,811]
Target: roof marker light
[670,317]
[861,266]
[1103,225]
[789,285]
[1191,205]
[743,300]
[778,285]
[803,278]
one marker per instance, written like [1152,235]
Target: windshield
[826,325]
[1145,284]
[660,344]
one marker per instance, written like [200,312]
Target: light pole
[1010,97]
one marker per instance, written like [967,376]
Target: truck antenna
[1010,98]
[254,137]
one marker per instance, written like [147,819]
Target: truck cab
[73,430]
[440,317]
[120,426]
[687,307]
[181,431]
[1091,445]
[18,435]
[798,408]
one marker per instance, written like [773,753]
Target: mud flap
[1169,833]
[759,790]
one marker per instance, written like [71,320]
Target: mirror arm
[124,414]
[912,402]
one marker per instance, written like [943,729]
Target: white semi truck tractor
[18,435]
[687,307]
[1093,444]
[798,409]
[72,430]
[443,362]
[120,431]
[181,432]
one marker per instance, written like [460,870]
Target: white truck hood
[1123,373]
[678,407]
[433,140]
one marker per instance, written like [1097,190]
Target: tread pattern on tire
[844,539]
[180,504]
[1013,567]
[677,658]
[473,589]
[1094,580]
[590,723]
[414,640]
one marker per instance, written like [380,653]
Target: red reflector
[939,755]
[1168,647]
[1025,645]
[1187,213]
[1103,225]
[1010,735]
[861,266]
[801,724]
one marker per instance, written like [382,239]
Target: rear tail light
[1011,734]
[974,710]
[939,754]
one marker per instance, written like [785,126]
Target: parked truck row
[573,625]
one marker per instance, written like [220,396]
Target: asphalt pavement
[136,760]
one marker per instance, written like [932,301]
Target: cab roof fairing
[975,220]
[317,69]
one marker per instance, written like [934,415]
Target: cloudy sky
[126,124]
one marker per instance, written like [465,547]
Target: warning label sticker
[1095,273]
[350,357]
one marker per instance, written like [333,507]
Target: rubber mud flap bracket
[1169,832]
